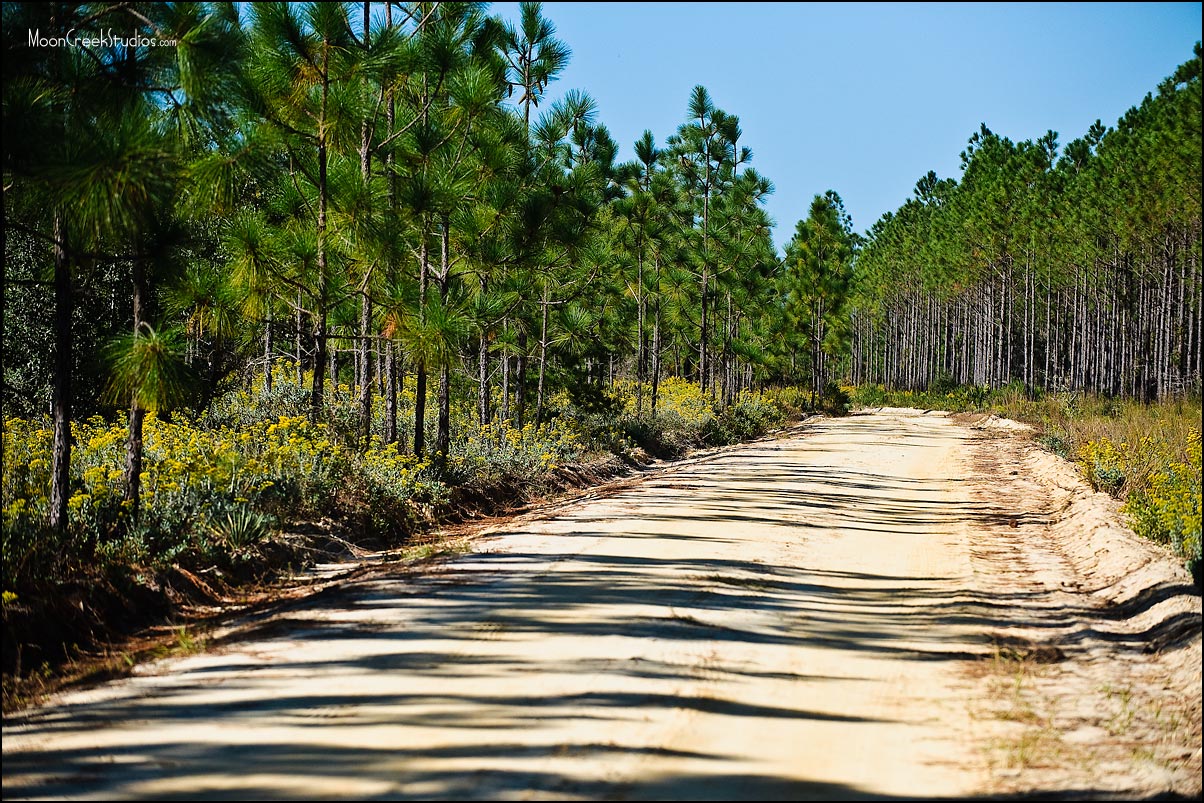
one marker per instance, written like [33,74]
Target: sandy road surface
[796,618]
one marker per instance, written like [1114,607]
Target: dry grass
[1076,419]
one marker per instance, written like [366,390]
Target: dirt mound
[1146,586]
[1118,712]
[994,422]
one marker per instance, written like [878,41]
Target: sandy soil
[887,605]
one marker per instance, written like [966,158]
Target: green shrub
[869,396]
[1104,466]
[835,400]
[1168,510]
[943,383]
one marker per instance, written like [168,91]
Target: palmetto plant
[242,528]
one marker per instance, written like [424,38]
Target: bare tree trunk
[505,414]
[133,443]
[391,383]
[656,355]
[520,380]
[1048,338]
[390,393]
[365,357]
[728,376]
[267,351]
[365,368]
[420,368]
[543,356]
[703,359]
[443,433]
[316,412]
[483,369]
[297,335]
[64,366]
[639,336]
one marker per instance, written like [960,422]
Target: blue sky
[866,98]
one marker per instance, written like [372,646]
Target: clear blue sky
[866,98]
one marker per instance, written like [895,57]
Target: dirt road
[877,606]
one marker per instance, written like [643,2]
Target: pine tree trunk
[365,357]
[267,352]
[365,369]
[64,366]
[443,433]
[420,367]
[391,384]
[703,364]
[639,333]
[483,369]
[316,412]
[133,443]
[656,340]
[505,387]
[543,356]
[520,380]
[1048,338]
[390,393]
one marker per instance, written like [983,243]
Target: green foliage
[1102,463]
[971,398]
[685,418]
[835,400]
[1160,485]
[147,368]
[942,383]
[1056,444]
[793,401]
[502,454]
[749,416]
[241,528]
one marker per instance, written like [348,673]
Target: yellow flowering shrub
[484,454]
[395,481]
[26,485]
[793,400]
[1104,465]
[212,487]
[200,487]
[685,417]
[685,402]
[1168,511]
[30,548]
